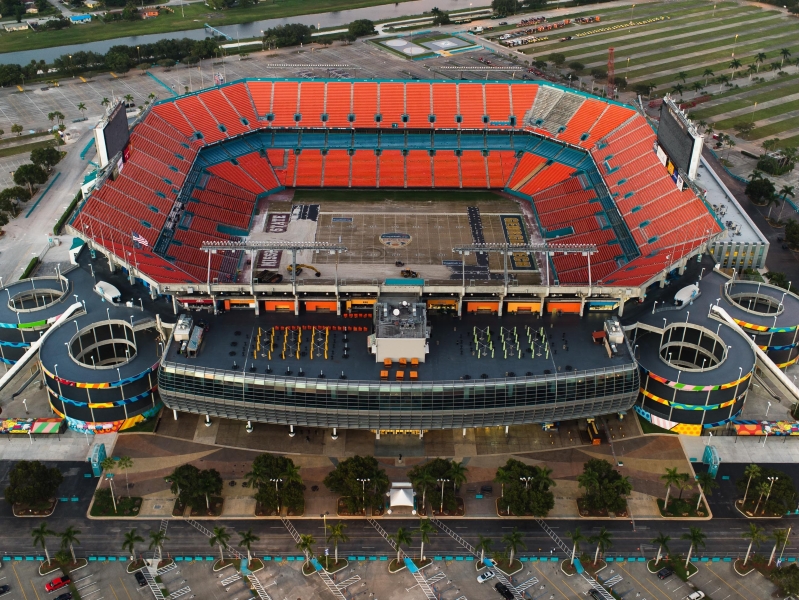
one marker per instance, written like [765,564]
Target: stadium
[406,256]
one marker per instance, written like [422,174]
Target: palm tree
[483,545]
[291,474]
[760,58]
[576,537]
[707,74]
[425,529]
[787,190]
[730,145]
[125,463]
[697,85]
[702,123]
[105,102]
[682,75]
[457,473]
[755,470]
[678,89]
[305,545]
[543,478]
[68,540]
[722,79]
[248,538]
[157,539]
[51,116]
[752,70]
[735,65]
[502,478]
[662,542]
[513,541]
[775,66]
[709,130]
[128,98]
[403,536]
[220,538]
[763,490]
[697,538]
[603,540]
[337,535]
[672,477]
[780,537]
[785,54]
[40,535]
[707,484]
[685,483]
[756,536]
[130,541]
[82,107]
[423,479]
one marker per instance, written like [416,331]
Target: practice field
[418,228]
[697,49]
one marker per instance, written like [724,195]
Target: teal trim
[404,282]
[164,85]
[555,233]
[229,230]
[42,195]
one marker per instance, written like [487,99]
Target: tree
[721,80]
[682,76]
[576,66]
[361,27]
[760,191]
[422,478]
[707,74]
[787,190]
[528,488]
[752,69]
[125,463]
[604,487]
[68,540]
[31,482]
[762,489]
[697,539]
[401,537]
[16,129]
[305,545]
[557,58]
[337,535]
[46,157]
[220,537]
[603,540]
[457,474]
[289,491]
[759,59]
[505,7]
[780,537]
[756,536]
[130,541]
[157,539]
[117,61]
[576,537]
[247,539]
[513,541]
[785,54]
[344,480]
[707,483]
[734,66]
[685,483]
[678,89]
[503,476]
[82,107]
[483,545]
[696,86]
[29,175]
[662,542]
[744,127]
[210,483]
[425,529]
[292,34]
[40,535]
[104,103]
[775,66]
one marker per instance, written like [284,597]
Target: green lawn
[25,148]
[766,113]
[196,15]
[774,128]
[791,142]
[27,136]
[652,27]
[749,101]
[710,42]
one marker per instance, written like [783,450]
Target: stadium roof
[196,166]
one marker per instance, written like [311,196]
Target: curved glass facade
[392,405]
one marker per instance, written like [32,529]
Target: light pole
[526,481]
[25,403]
[772,480]
[324,528]
[734,44]
[442,482]
[363,491]
[276,481]
[767,408]
[632,8]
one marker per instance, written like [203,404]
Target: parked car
[665,573]
[66,596]
[697,595]
[57,583]
[140,579]
[504,591]
[595,595]
[4,589]
[483,577]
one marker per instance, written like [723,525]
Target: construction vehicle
[267,276]
[301,267]
[408,274]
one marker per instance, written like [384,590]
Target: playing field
[691,53]
[417,228]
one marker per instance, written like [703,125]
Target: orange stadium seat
[445,105]
[199,116]
[471,103]
[239,97]
[364,169]
[582,121]
[501,164]
[312,103]
[170,114]
[309,168]
[473,169]
[447,171]
[285,103]
[417,103]
[392,169]
[498,103]
[261,94]
[364,103]
[221,109]
[418,170]
[339,104]
[391,101]
[337,168]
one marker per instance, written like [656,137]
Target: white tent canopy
[401,497]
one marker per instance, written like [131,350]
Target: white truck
[108,292]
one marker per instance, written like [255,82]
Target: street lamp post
[363,491]
[276,481]
[772,480]
[526,481]
[324,528]
[442,482]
